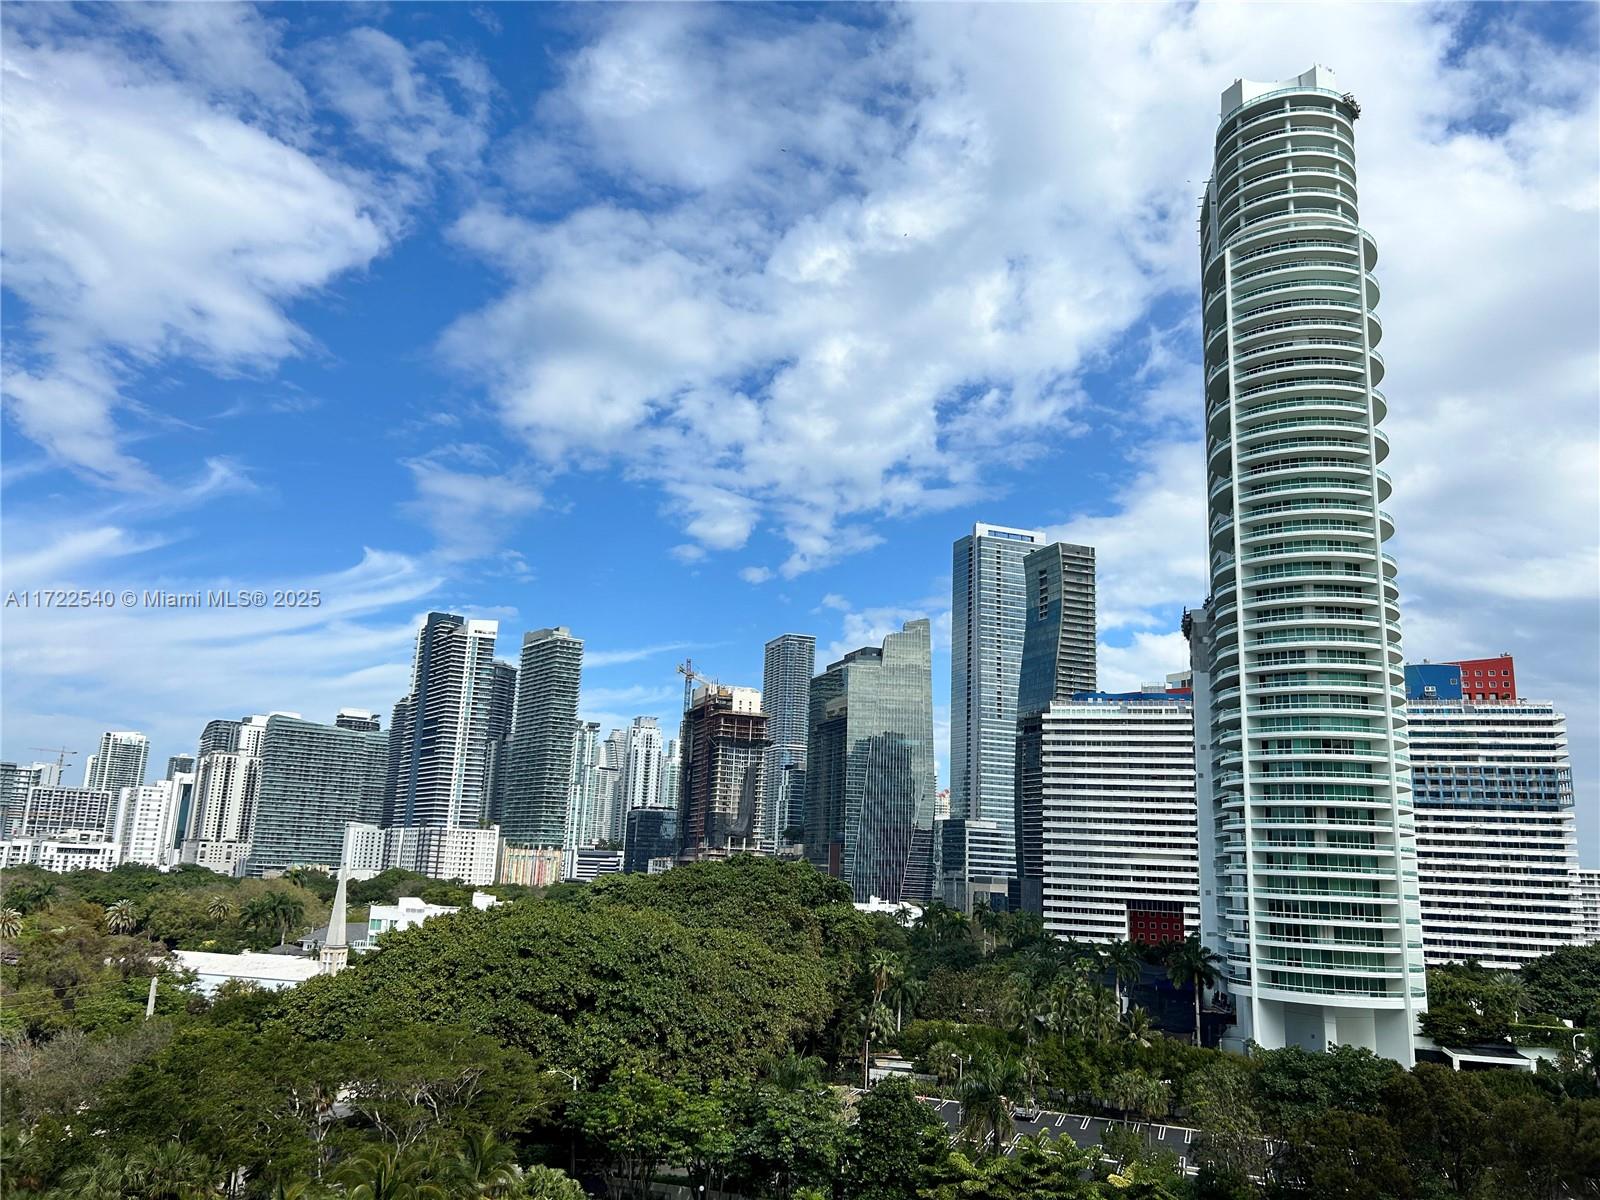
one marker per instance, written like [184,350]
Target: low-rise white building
[271,972]
[408,912]
[585,866]
[87,853]
[466,854]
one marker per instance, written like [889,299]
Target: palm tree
[258,914]
[945,1058]
[1137,1030]
[876,1025]
[904,992]
[985,1111]
[120,917]
[382,1173]
[275,910]
[486,1166]
[219,908]
[10,923]
[794,1071]
[988,920]
[1191,964]
[883,968]
[1122,957]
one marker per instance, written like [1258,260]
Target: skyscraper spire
[335,953]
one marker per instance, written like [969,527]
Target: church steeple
[335,954]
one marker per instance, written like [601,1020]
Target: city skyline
[222,418]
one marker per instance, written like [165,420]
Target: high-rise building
[119,762]
[988,618]
[973,864]
[869,767]
[650,833]
[16,780]
[791,660]
[221,734]
[502,715]
[671,776]
[582,784]
[61,811]
[1309,886]
[1497,839]
[1488,678]
[540,773]
[179,764]
[724,744]
[1112,798]
[222,810]
[1589,906]
[357,719]
[147,820]
[313,780]
[611,809]
[441,729]
[641,768]
[1058,639]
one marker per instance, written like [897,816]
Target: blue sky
[687,326]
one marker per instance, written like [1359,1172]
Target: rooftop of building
[250,965]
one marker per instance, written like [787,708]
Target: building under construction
[724,741]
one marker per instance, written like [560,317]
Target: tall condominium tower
[1309,875]
[869,767]
[440,733]
[1111,793]
[119,762]
[1058,646]
[724,744]
[1497,837]
[791,660]
[502,711]
[222,808]
[540,773]
[641,767]
[988,616]
[314,779]
[582,785]
[147,818]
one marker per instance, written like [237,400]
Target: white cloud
[145,222]
[611,658]
[755,574]
[470,512]
[1147,658]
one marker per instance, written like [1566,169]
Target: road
[1083,1130]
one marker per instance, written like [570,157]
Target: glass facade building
[1058,646]
[1309,874]
[988,616]
[869,768]
[539,779]
[791,660]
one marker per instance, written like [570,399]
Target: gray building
[791,660]
[649,833]
[440,737]
[1058,646]
[51,811]
[539,778]
[179,764]
[221,734]
[502,712]
[313,780]
[356,718]
[869,767]
[988,618]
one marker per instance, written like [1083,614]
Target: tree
[876,1024]
[1565,982]
[985,1109]
[784,1137]
[1137,1031]
[904,992]
[219,908]
[120,917]
[380,1172]
[486,1166]
[1192,964]
[1293,1085]
[1232,1147]
[1122,957]
[10,923]
[637,1122]
[896,1146]
[1344,1154]
[944,1059]
[547,1183]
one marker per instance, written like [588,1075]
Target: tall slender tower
[791,659]
[988,617]
[1309,873]
[120,762]
[540,774]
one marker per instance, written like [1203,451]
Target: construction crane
[61,753]
[690,675]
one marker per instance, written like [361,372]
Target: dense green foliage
[703,1029]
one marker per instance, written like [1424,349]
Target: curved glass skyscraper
[1310,883]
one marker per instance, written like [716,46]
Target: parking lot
[1083,1130]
